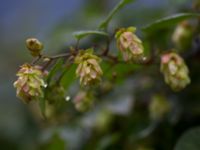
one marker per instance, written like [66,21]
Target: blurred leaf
[68,76]
[127,1]
[42,105]
[55,69]
[120,5]
[122,70]
[42,101]
[168,21]
[118,71]
[56,143]
[190,140]
[107,141]
[81,34]
[148,130]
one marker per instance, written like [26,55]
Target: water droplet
[67,98]
[144,58]
[45,85]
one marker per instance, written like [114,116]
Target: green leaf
[190,140]
[68,76]
[54,70]
[104,24]
[42,101]
[107,141]
[121,70]
[42,105]
[81,34]
[128,1]
[55,143]
[168,21]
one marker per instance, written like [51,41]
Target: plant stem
[104,24]
[58,56]
[36,60]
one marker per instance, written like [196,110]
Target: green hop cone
[83,101]
[175,71]
[88,68]
[159,107]
[29,83]
[34,46]
[182,36]
[129,44]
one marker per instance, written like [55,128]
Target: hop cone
[88,68]
[29,83]
[175,71]
[129,44]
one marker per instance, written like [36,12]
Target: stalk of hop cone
[29,83]
[129,44]
[88,68]
[34,46]
[175,71]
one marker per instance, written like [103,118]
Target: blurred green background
[53,23]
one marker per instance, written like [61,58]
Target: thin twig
[105,52]
[47,64]
[58,56]
[36,60]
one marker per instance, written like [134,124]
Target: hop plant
[129,44]
[88,68]
[29,83]
[175,71]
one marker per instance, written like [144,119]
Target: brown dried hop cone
[129,44]
[35,46]
[29,83]
[175,71]
[88,68]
